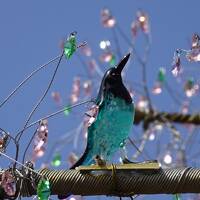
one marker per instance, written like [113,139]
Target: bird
[111,127]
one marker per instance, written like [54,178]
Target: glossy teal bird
[114,120]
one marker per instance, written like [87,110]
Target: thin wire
[142,145]
[136,147]
[23,159]
[173,95]
[18,136]
[8,135]
[28,145]
[41,99]
[12,159]
[143,64]
[46,117]
[46,91]
[144,80]
[53,114]
[11,137]
[27,78]
[83,64]
[126,39]
[66,139]
[117,43]
[15,161]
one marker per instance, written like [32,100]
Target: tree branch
[149,117]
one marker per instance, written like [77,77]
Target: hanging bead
[152,136]
[70,45]
[92,66]
[92,113]
[39,152]
[40,140]
[195,41]
[142,103]
[177,197]
[87,86]
[72,159]
[107,19]
[56,97]
[143,21]
[191,88]
[108,57]
[185,107]
[193,55]
[161,75]
[157,89]
[75,90]
[56,160]
[167,159]
[67,110]
[4,140]
[8,183]
[176,66]
[104,44]
[86,50]
[134,28]
[112,62]
[43,189]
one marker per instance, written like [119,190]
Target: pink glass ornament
[56,97]
[8,183]
[107,19]
[143,21]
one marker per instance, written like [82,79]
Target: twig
[28,145]
[143,64]
[18,136]
[26,79]
[12,159]
[53,114]
[117,43]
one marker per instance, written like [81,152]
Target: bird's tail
[85,159]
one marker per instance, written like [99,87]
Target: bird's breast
[111,127]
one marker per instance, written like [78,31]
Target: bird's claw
[99,161]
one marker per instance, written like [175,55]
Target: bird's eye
[113,74]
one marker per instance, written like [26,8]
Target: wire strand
[55,113]
[12,159]
[18,136]
[26,79]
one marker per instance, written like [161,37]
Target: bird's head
[113,75]
[112,80]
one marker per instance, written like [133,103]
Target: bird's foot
[99,161]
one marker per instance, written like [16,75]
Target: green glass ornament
[177,197]
[43,189]
[161,75]
[67,110]
[190,83]
[56,160]
[112,62]
[70,45]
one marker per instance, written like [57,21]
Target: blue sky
[31,31]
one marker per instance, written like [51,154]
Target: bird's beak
[122,63]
